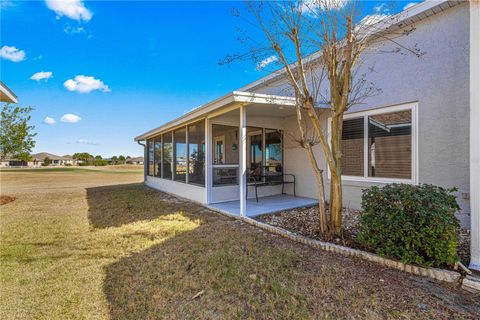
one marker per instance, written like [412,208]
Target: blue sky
[143,63]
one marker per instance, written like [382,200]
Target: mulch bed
[306,222]
[6,199]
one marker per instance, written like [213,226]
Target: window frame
[191,124]
[413,107]
[150,174]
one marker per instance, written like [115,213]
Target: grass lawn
[79,244]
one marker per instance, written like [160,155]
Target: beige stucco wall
[438,81]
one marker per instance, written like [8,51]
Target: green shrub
[99,163]
[415,224]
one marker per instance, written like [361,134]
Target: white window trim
[408,106]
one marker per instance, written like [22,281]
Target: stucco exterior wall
[438,81]
[188,191]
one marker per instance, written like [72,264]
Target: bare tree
[319,45]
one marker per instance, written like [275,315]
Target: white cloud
[409,5]
[85,84]
[42,75]
[70,117]
[69,29]
[49,120]
[265,62]
[5,4]
[381,14]
[12,54]
[73,9]
[88,142]
[373,18]
[309,6]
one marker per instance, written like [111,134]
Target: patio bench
[265,178]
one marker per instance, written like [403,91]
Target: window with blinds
[390,145]
[352,147]
[385,139]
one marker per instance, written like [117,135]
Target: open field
[96,244]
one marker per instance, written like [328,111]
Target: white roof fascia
[10,95]
[233,97]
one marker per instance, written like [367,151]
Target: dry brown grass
[87,245]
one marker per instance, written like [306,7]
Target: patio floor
[265,205]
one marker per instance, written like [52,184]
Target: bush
[415,224]
[99,163]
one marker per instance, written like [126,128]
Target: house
[11,162]
[69,160]
[39,158]
[423,128]
[136,160]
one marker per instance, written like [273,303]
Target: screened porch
[232,158]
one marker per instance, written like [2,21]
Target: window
[225,176]
[157,144]
[150,155]
[167,155]
[219,150]
[180,154]
[379,145]
[255,154]
[225,146]
[390,145]
[196,153]
[225,155]
[352,147]
[273,150]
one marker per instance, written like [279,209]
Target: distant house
[423,128]
[69,160]
[137,160]
[38,158]
[11,161]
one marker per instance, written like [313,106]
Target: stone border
[434,273]
[468,283]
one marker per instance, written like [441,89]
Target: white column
[243,160]
[208,161]
[475,134]
[145,161]
[187,152]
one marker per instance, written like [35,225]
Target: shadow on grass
[223,269]
[238,271]
[117,205]
[231,270]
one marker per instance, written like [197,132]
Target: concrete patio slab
[265,205]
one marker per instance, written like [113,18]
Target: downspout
[144,161]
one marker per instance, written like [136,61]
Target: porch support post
[208,161]
[243,160]
[475,134]
[145,161]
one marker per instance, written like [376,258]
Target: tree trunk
[324,225]
[336,175]
[336,204]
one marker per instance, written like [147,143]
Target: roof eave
[232,97]
[11,97]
